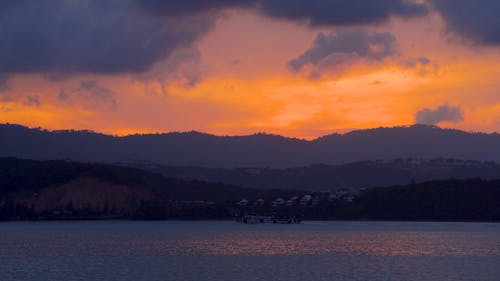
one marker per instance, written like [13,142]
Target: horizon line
[244,135]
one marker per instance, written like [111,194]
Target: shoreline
[231,220]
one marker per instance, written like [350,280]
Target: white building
[278,202]
[243,202]
[305,199]
[259,202]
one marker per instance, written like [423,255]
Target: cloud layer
[123,36]
[113,36]
[129,36]
[3,82]
[313,12]
[335,53]
[340,12]
[478,21]
[442,113]
[90,94]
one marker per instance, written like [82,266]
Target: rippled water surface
[126,250]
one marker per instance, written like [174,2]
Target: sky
[292,67]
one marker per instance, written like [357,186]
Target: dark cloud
[314,12]
[4,78]
[111,36]
[32,101]
[63,95]
[181,8]
[90,93]
[57,76]
[478,20]
[416,61]
[235,62]
[442,113]
[422,65]
[117,36]
[334,51]
[183,68]
[340,12]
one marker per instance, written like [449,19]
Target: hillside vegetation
[258,150]
[50,189]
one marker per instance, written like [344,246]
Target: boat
[285,219]
[255,219]
[258,219]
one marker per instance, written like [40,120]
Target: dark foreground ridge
[35,190]
[69,190]
[259,150]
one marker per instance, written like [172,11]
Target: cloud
[422,65]
[103,37]
[235,62]
[442,113]
[335,52]
[4,78]
[32,101]
[129,36]
[90,93]
[340,12]
[477,21]
[182,8]
[314,12]
[183,68]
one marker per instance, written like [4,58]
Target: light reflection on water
[123,250]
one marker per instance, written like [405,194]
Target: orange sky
[243,86]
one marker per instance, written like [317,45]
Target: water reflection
[229,251]
[378,244]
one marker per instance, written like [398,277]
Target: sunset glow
[237,79]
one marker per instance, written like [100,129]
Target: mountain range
[258,150]
[321,177]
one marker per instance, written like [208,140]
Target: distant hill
[259,150]
[321,177]
[31,188]
[450,200]
[53,190]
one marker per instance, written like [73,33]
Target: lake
[225,250]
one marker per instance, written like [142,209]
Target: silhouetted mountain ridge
[320,177]
[258,150]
